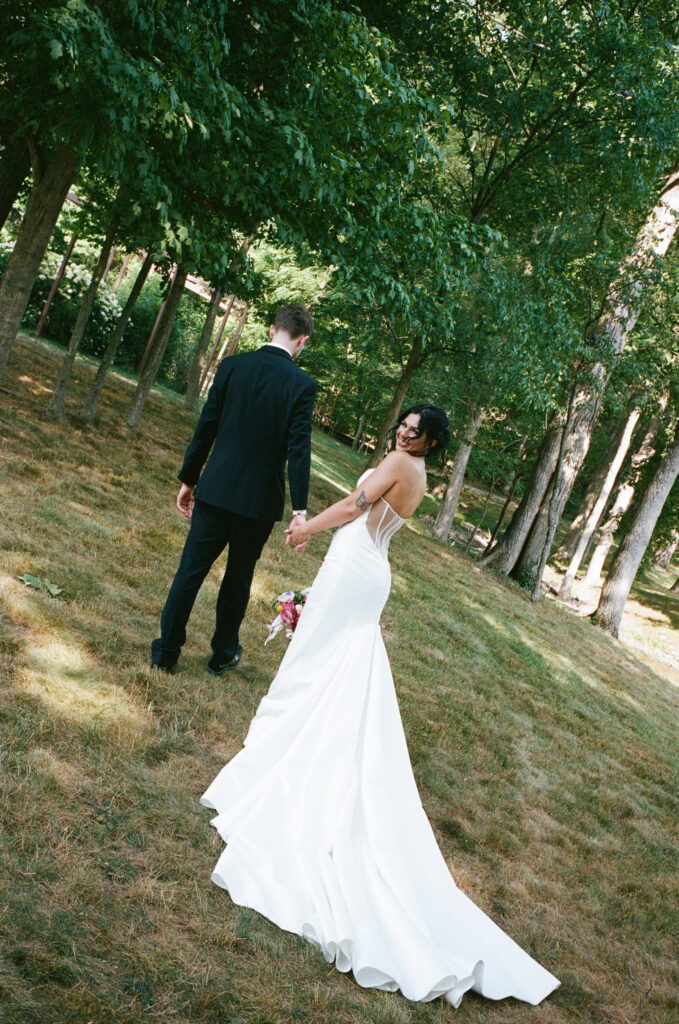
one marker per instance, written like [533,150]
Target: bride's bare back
[400,480]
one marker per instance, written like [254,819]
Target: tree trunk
[446,515]
[154,331]
[233,341]
[566,587]
[503,511]
[593,576]
[615,590]
[122,272]
[570,542]
[358,436]
[211,360]
[109,263]
[504,555]
[550,501]
[15,166]
[55,285]
[44,205]
[482,518]
[197,366]
[583,415]
[664,556]
[160,344]
[57,406]
[674,589]
[612,332]
[508,500]
[391,418]
[621,503]
[89,410]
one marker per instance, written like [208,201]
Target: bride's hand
[298,535]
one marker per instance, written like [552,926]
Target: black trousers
[211,530]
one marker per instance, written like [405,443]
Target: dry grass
[545,753]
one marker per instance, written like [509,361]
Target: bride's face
[409,438]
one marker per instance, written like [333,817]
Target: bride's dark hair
[433,423]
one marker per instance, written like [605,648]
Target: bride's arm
[346,509]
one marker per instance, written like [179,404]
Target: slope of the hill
[545,753]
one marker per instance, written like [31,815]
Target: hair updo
[433,423]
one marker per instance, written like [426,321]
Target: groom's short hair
[294,319]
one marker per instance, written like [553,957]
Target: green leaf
[31,581]
[52,588]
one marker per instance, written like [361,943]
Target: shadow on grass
[665,603]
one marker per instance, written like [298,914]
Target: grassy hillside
[545,753]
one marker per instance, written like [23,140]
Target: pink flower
[289,606]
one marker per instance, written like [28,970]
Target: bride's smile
[409,437]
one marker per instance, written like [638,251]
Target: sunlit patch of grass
[545,752]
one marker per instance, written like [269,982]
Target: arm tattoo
[361,500]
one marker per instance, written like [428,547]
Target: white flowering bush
[64,309]
[106,311]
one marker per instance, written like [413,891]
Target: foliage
[562,120]
[452,175]
[279,276]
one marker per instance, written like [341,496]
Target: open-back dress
[324,828]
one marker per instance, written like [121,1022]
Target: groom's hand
[297,524]
[185,500]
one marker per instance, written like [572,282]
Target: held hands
[297,534]
[185,500]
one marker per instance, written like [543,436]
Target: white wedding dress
[325,832]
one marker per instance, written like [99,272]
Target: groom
[257,416]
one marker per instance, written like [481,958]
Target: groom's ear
[272,331]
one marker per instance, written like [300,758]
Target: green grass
[545,753]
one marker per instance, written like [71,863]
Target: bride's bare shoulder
[409,473]
[403,462]
[397,458]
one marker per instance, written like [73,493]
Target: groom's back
[258,412]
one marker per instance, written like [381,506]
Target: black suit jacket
[258,415]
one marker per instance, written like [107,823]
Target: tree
[51,181]
[198,364]
[623,307]
[596,481]
[114,87]
[446,514]
[148,375]
[15,167]
[663,556]
[621,502]
[592,522]
[504,555]
[89,410]
[541,103]
[57,405]
[622,573]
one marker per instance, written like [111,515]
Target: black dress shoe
[168,670]
[216,667]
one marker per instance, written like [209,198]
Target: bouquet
[289,606]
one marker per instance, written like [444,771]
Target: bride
[325,832]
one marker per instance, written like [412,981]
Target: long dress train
[325,832]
